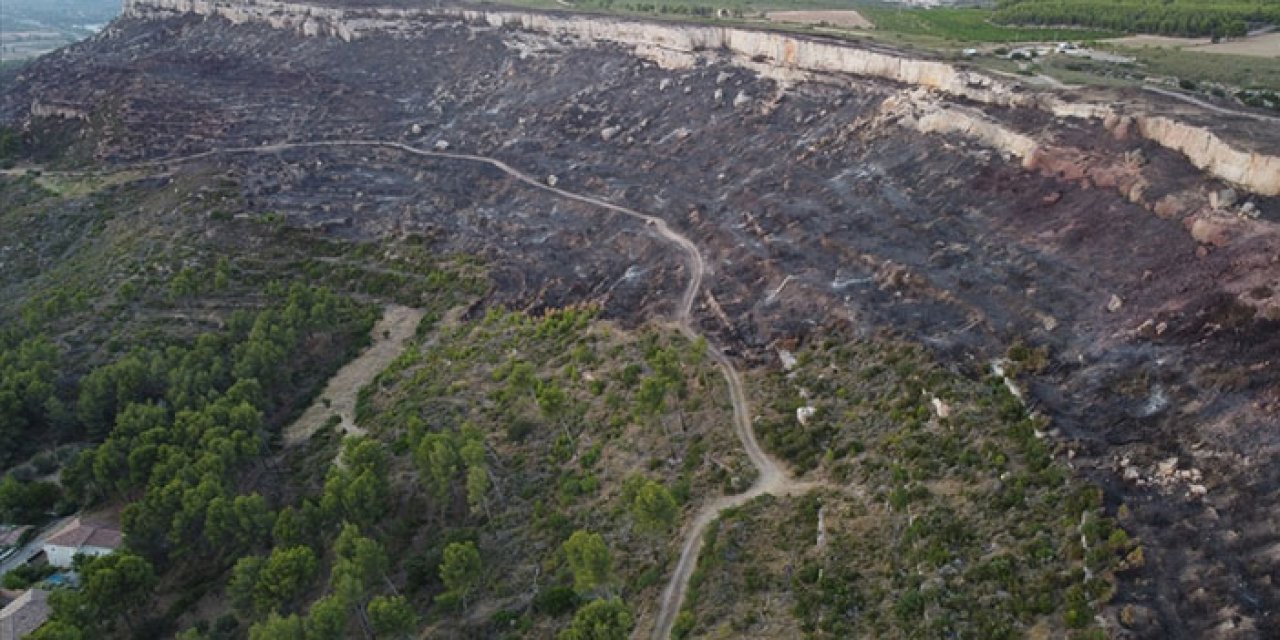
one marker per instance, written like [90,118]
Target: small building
[80,538]
[24,615]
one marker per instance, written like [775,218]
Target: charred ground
[815,210]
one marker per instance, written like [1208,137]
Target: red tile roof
[104,538]
[77,534]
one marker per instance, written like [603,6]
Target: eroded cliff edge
[773,54]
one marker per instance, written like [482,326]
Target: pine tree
[589,560]
[460,569]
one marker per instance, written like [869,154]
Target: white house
[80,538]
[24,615]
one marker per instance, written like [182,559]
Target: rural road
[22,555]
[1208,105]
[771,479]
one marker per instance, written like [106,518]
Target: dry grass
[849,19]
[1265,45]
[390,336]
[1157,41]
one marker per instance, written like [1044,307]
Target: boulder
[942,409]
[1115,303]
[1223,199]
[803,414]
[1216,230]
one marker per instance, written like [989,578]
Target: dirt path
[1210,106]
[390,335]
[342,390]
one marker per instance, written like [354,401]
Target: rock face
[307,19]
[771,53]
[1256,172]
[929,116]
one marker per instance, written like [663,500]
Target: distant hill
[61,14]
[29,28]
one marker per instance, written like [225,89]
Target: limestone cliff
[916,110]
[1258,172]
[786,54]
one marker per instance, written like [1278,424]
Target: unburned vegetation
[565,449]
[948,513]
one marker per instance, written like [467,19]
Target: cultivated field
[849,19]
[1263,46]
[1266,45]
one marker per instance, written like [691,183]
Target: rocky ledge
[771,53]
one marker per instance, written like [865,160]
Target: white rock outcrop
[805,414]
[44,109]
[917,110]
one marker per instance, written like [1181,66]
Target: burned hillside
[823,204]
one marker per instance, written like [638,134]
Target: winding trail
[771,479]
